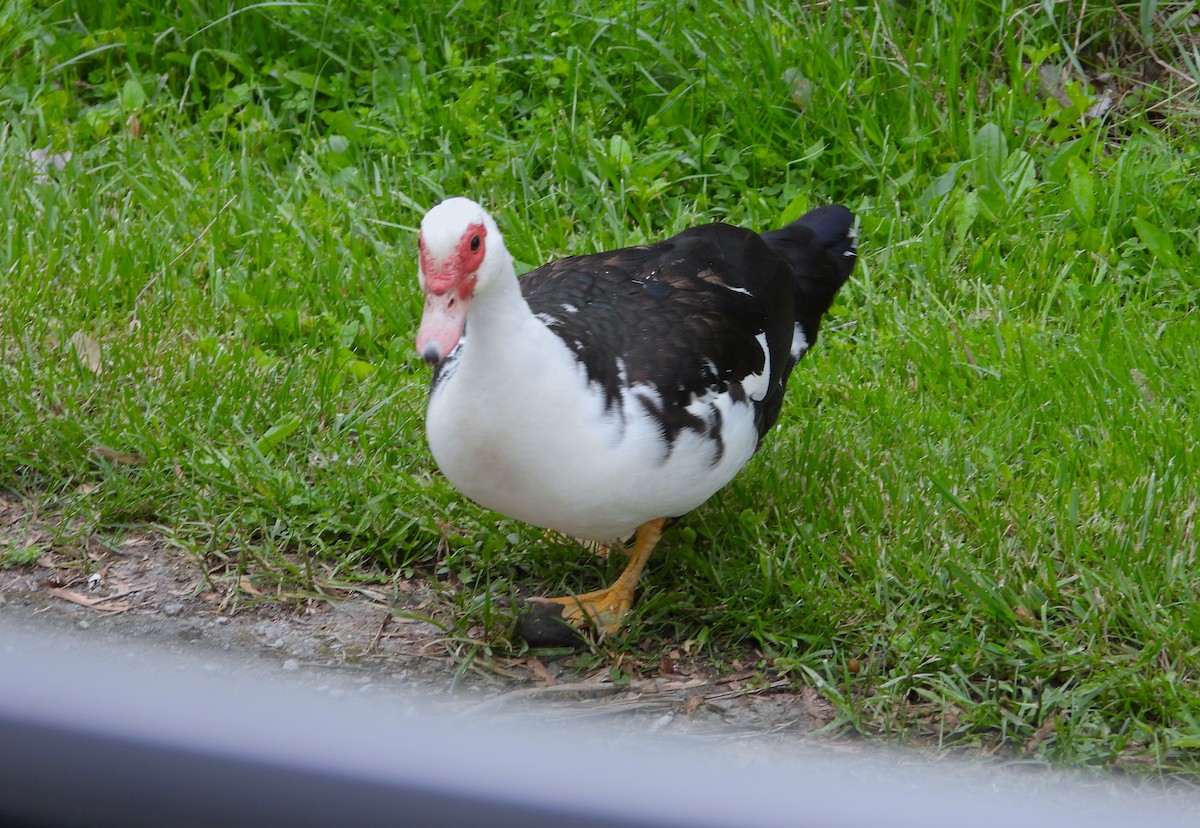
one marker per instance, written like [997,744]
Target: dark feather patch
[819,249]
[680,316]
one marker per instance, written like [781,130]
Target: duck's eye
[475,242]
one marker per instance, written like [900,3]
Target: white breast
[518,429]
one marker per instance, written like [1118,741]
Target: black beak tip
[432,355]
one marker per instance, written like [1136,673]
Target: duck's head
[461,253]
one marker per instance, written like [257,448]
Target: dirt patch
[143,591]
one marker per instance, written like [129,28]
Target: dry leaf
[816,706]
[738,677]
[247,586]
[1044,732]
[88,351]
[539,669]
[1143,384]
[405,619]
[675,686]
[91,603]
[120,458]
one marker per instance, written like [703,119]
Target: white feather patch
[799,343]
[757,385]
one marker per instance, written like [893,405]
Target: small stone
[172,610]
[83,625]
[291,665]
[542,625]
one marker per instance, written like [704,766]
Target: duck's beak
[442,325]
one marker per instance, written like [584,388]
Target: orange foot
[605,608]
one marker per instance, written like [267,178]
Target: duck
[602,396]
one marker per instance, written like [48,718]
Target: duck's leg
[604,608]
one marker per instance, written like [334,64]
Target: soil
[149,595]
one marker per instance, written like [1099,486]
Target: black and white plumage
[599,393]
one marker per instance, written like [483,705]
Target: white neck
[497,312]
[505,342]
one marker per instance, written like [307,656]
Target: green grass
[975,523]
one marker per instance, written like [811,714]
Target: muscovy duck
[601,395]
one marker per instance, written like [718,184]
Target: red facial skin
[449,287]
[459,268]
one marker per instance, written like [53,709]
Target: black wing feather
[680,316]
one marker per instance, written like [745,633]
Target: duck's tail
[820,247]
